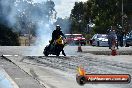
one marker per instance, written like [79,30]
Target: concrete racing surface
[70,50]
[6,81]
[11,76]
[60,72]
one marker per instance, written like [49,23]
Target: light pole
[122,14]
[29,39]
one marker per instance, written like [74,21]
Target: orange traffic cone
[79,49]
[113,53]
[113,50]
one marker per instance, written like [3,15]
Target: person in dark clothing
[120,35]
[111,37]
[109,43]
[121,38]
[55,35]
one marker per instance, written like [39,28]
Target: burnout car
[75,39]
[99,40]
[69,38]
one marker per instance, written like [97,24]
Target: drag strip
[91,64]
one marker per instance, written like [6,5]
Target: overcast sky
[63,7]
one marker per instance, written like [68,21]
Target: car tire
[82,44]
[127,45]
[57,54]
[45,53]
[98,44]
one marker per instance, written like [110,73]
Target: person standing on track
[112,37]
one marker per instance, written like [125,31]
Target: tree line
[102,13]
[8,37]
[18,17]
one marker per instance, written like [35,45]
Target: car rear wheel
[98,44]
[127,45]
[45,53]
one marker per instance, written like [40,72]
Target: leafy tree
[7,37]
[103,13]
[77,16]
[108,14]
[81,16]
[26,15]
[64,23]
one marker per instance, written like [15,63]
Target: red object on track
[79,49]
[113,52]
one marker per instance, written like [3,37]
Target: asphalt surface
[18,77]
[60,72]
[69,50]
[6,81]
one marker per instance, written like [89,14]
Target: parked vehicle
[69,38]
[75,39]
[99,40]
[129,40]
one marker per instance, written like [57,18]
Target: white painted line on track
[7,55]
[7,80]
[10,55]
[16,55]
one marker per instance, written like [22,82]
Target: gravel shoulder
[60,72]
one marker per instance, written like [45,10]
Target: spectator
[121,38]
[118,33]
[108,31]
[111,37]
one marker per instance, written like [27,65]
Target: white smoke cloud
[34,11]
[63,7]
[24,13]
